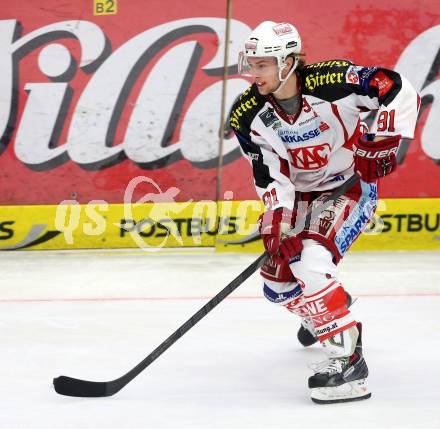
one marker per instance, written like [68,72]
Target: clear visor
[257,66]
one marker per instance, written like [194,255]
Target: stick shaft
[210,305]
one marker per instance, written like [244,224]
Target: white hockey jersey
[312,150]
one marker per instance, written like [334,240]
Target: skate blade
[347,392]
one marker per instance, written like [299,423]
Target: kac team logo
[310,157]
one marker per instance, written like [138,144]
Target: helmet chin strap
[283,81]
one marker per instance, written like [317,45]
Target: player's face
[264,70]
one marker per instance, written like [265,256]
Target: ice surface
[95,315]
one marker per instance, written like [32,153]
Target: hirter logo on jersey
[310,157]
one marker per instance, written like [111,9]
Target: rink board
[100,225]
[96,94]
[399,224]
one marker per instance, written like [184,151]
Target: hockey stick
[75,387]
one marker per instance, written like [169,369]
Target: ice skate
[341,379]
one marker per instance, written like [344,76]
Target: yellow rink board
[403,224]
[99,226]
[399,224]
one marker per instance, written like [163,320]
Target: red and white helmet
[271,39]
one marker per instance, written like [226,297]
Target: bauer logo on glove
[375,159]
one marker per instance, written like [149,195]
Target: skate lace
[329,366]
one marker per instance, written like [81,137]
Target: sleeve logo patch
[352,75]
[253,156]
[268,117]
[382,82]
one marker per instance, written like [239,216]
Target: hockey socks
[306,332]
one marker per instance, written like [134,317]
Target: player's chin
[264,89]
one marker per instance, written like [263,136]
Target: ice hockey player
[299,127]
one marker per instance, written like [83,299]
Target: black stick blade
[86,389]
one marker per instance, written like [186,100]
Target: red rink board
[142,96]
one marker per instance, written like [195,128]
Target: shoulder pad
[245,108]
